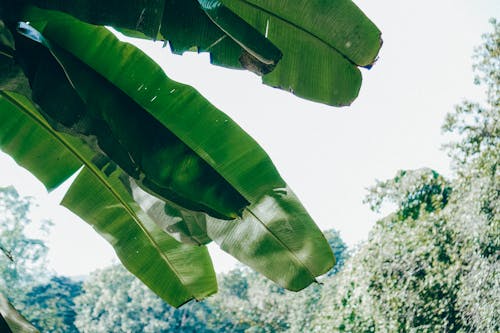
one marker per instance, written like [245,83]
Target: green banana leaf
[184,225]
[181,109]
[95,109]
[11,321]
[176,272]
[323,42]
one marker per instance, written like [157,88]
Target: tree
[127,305]
[432,265]
[72,96]
[23,258]
[247,302]
[254,304]
[50,306]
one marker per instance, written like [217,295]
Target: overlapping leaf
[177,272]
[323,42]
[86,86]
[275,236]
[227,37]
[267,234]
[94,108]
[211,134]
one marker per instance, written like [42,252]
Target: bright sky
[328,156]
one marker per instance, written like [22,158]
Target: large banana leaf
[322,42]
[181,109]
[176,272]
[94,108]
[278,239]
[11,321]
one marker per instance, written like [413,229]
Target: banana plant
[162,172]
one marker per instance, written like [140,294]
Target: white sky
[327,155]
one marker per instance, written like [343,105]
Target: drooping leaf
[323,43]
[276,230]
[121,129]
[207,131]
[176,272]
[292,252]
[11,321]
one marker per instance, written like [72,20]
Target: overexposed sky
[327,155]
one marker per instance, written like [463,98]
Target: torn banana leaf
[183,23]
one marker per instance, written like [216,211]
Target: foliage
[50,306]
[126,305]
[246,302]
[433,264]
[73,96]
[23,258]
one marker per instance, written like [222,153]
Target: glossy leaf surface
[275,236]
[110,120]
[323,42]
[203,128]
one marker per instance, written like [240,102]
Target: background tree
[115,301]
[432,265]
[23,258]
[246,302]
[50,306]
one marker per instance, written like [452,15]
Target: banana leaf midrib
[321,40]
[98,175]
[292,253]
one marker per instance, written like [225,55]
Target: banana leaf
[155,18]
[217,139]
[176,272]
[300,248]
[93,108]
